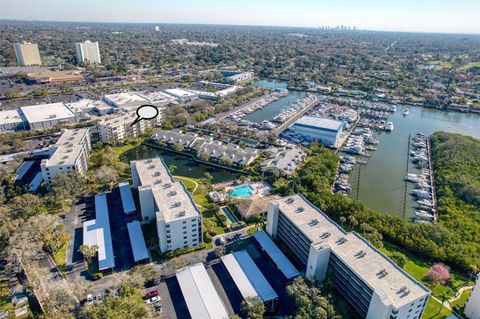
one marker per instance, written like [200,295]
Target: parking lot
[85,210]
[174,305]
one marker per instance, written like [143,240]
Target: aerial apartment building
[88,52]
[472,308]
[69,154]
[119,128]
[179,222]
[27,54]
[373,284]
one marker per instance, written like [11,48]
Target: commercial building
[233,77]
[137,242]
[47,115]
[183,96]
[84,106]
[168,203]
[54,77]
[283,161]
[126,100]
[203,301]
[27,53]
[373,284]
[88,52]
[12,120]
[96,232]
[120,128]
[249,279]
[326,131]
[69,154]
[472,308]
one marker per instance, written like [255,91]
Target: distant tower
[88,51]
[27,53]
[157,28]
[472,308]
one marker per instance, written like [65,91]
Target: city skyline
[408,16]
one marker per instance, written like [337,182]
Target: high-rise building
[27,53]
[472,308]
[168,203]
[122,127]
[69,154]
[373,284]
[88,51]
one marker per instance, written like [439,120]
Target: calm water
[382,185]
[272,109]
[185,167]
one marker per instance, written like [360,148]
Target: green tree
[399,258]
[252,308]
[130,307]
[178,147]
[88,252]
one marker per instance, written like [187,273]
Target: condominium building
[472,308]
[27,54]
[168,203]
[373,284]
[69,154]
[88,52]
[120,128]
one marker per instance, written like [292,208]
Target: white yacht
[389,127]
[406,112]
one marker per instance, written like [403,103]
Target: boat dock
[432,178]
[284,126]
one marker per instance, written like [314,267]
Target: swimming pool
[241,191]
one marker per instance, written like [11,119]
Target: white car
[90,299]
[154,300]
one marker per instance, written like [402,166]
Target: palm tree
[172,168]
[342,220]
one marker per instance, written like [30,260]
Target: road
[284,126]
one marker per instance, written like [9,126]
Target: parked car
[90,299]
[154,300]
[151,294]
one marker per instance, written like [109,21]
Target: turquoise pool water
[241,191]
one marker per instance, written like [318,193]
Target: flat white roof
[282,262]
[202,299]
[323,232]
[88,105]
[68,147]
[127,198]
[179,93]
[10,117]
[152,171]
[47,112]
[97,232]
[137,241]
[255,276]
[239,277]
[121,99]
[319,122]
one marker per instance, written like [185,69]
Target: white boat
[423,214]
[389,127]
[421,193]
[406,112]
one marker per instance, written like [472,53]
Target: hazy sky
[458,16]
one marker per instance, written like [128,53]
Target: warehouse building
[47,115]
[374,285]
[179,222]
[203,301]
[12,120]
[182,96]
[126,100]
[249,279]
[325,131]
[97,232]
[69,154]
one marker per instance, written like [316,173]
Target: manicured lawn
[434,310]
[459,304]
[468,66]
[119,150]
[418,269]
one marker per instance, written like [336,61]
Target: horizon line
[250,25]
